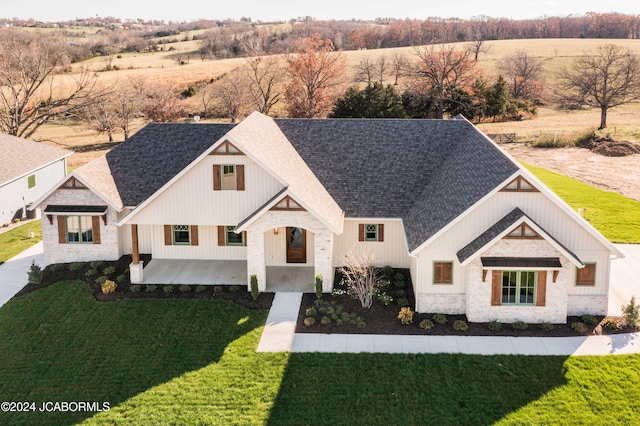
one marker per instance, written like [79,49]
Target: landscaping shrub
[460,325]
[56,267]
[96,264]
[168,289]
[398,280]
[217,289]
[309,321]
[319,286]
[519,326]
[384,284]
[101,280]
[108,271]
[405,316]
[384,298]
[150,288]
[234,289]
[631,313]
[184,288]
[579,327]
[426,324]
[135,288]
[439,319]
[254,286]
[90,273]
[360,276]
[201,288]
[34,273]
[108,287]
[402,302]
[325,321]
[545,326]
[494,325]
[336,313]
[311,312]
[120,279]
[589,319]
[76,266]
[610,324]
[387,271]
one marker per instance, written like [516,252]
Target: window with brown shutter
[240,177]
[168,239]
[194,235]
[62,230]
[221,238]
[496,288]
[96,229]
[217,177]
[443,272]
[586,275]
[370,232]
[541,289]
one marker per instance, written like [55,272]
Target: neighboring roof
[501,227]
[521,262]
[426,172]
[134,170]
[21,157]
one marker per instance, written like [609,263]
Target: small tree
[319,286]
[254,287]
[360,276]
[631,313]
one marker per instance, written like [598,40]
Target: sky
[270,10]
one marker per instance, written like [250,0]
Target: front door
[296,245]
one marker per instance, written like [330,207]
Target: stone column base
[135,272]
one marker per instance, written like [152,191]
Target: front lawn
[615,216]
[193,361]
[15,241]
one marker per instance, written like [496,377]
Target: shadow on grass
[59,344]
[410,389]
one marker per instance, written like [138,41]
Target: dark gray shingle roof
[426,172]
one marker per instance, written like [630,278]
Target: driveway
[625,278]
[13,273]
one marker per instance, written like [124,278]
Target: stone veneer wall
[442,303]
[54,252]
[592,304]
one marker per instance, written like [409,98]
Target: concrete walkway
[13,272]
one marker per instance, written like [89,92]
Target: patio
[226,272]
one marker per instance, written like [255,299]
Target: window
[31,181]
[370,232]
[229,176]
[443,272]
[79,229]
[586,275]
[518,288]
[181,235]
[233,239]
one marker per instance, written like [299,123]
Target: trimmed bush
[309,321]
[234,289]
[610,324]
[589,319]
[579,327]
[325,321]
[398,281]
[405,316]
[403,302]
[426,324]
[76,266]
[631,313]
[108,287]
[254,286]
[201,289]
[101,280]
[494,325]
[440,319]
[151,288]
[184,288]
[519,326]
[135,288]
[168,289]
[384,298]
[387,271]
[545,326]
[120,279]
[34,273]
[96,264]
[460,325]
[319,286]
[90,273]
[108,271]
[311,312]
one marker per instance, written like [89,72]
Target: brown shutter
[244,237]
[361,232]
[380,232]
[541,295]
[167,235]
[437,272]
[447,272]
[586,275]
[194,235]
[62,230]
[240,177]
[221,239]
[217,177]
[496,288]
[96,229]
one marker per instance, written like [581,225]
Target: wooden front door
[296,245]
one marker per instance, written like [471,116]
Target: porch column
[256,264]
[135,269]
[323,248]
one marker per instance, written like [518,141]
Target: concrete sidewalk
[13,273]
[279,336]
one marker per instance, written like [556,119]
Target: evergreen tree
[374,101]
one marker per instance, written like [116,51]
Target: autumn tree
[374,101]
[606,79]
[230,96]
[315,73]
[438,70]
[162,104]
[265,80]
[525,76]
[32,94]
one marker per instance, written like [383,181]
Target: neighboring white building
[478,232]
[28,170]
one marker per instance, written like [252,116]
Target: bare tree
[525,76]
[30,97]
[365,71]
[127,103]
[381,68]
[477,47]
[230,95]
[360,276]
[399,66]
[265,76]
[102,115]
[606,79]
[162,104]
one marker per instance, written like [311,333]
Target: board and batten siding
[392,251]
[191,200]
[207,247]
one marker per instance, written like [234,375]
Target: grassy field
[17,240]
[615,216]
[180,361]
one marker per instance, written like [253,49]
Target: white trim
[64,157]
[58,186]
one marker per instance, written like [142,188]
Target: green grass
[181,361]
[17,240]
[615,216]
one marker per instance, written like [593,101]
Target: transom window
[79,229]
[233,239]
[371,232]
[181,234]
[518,288]
[229,176]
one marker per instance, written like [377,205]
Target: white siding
[207,247]
[191,199]
[276,248]
[392,251]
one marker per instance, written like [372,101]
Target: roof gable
[21,156]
